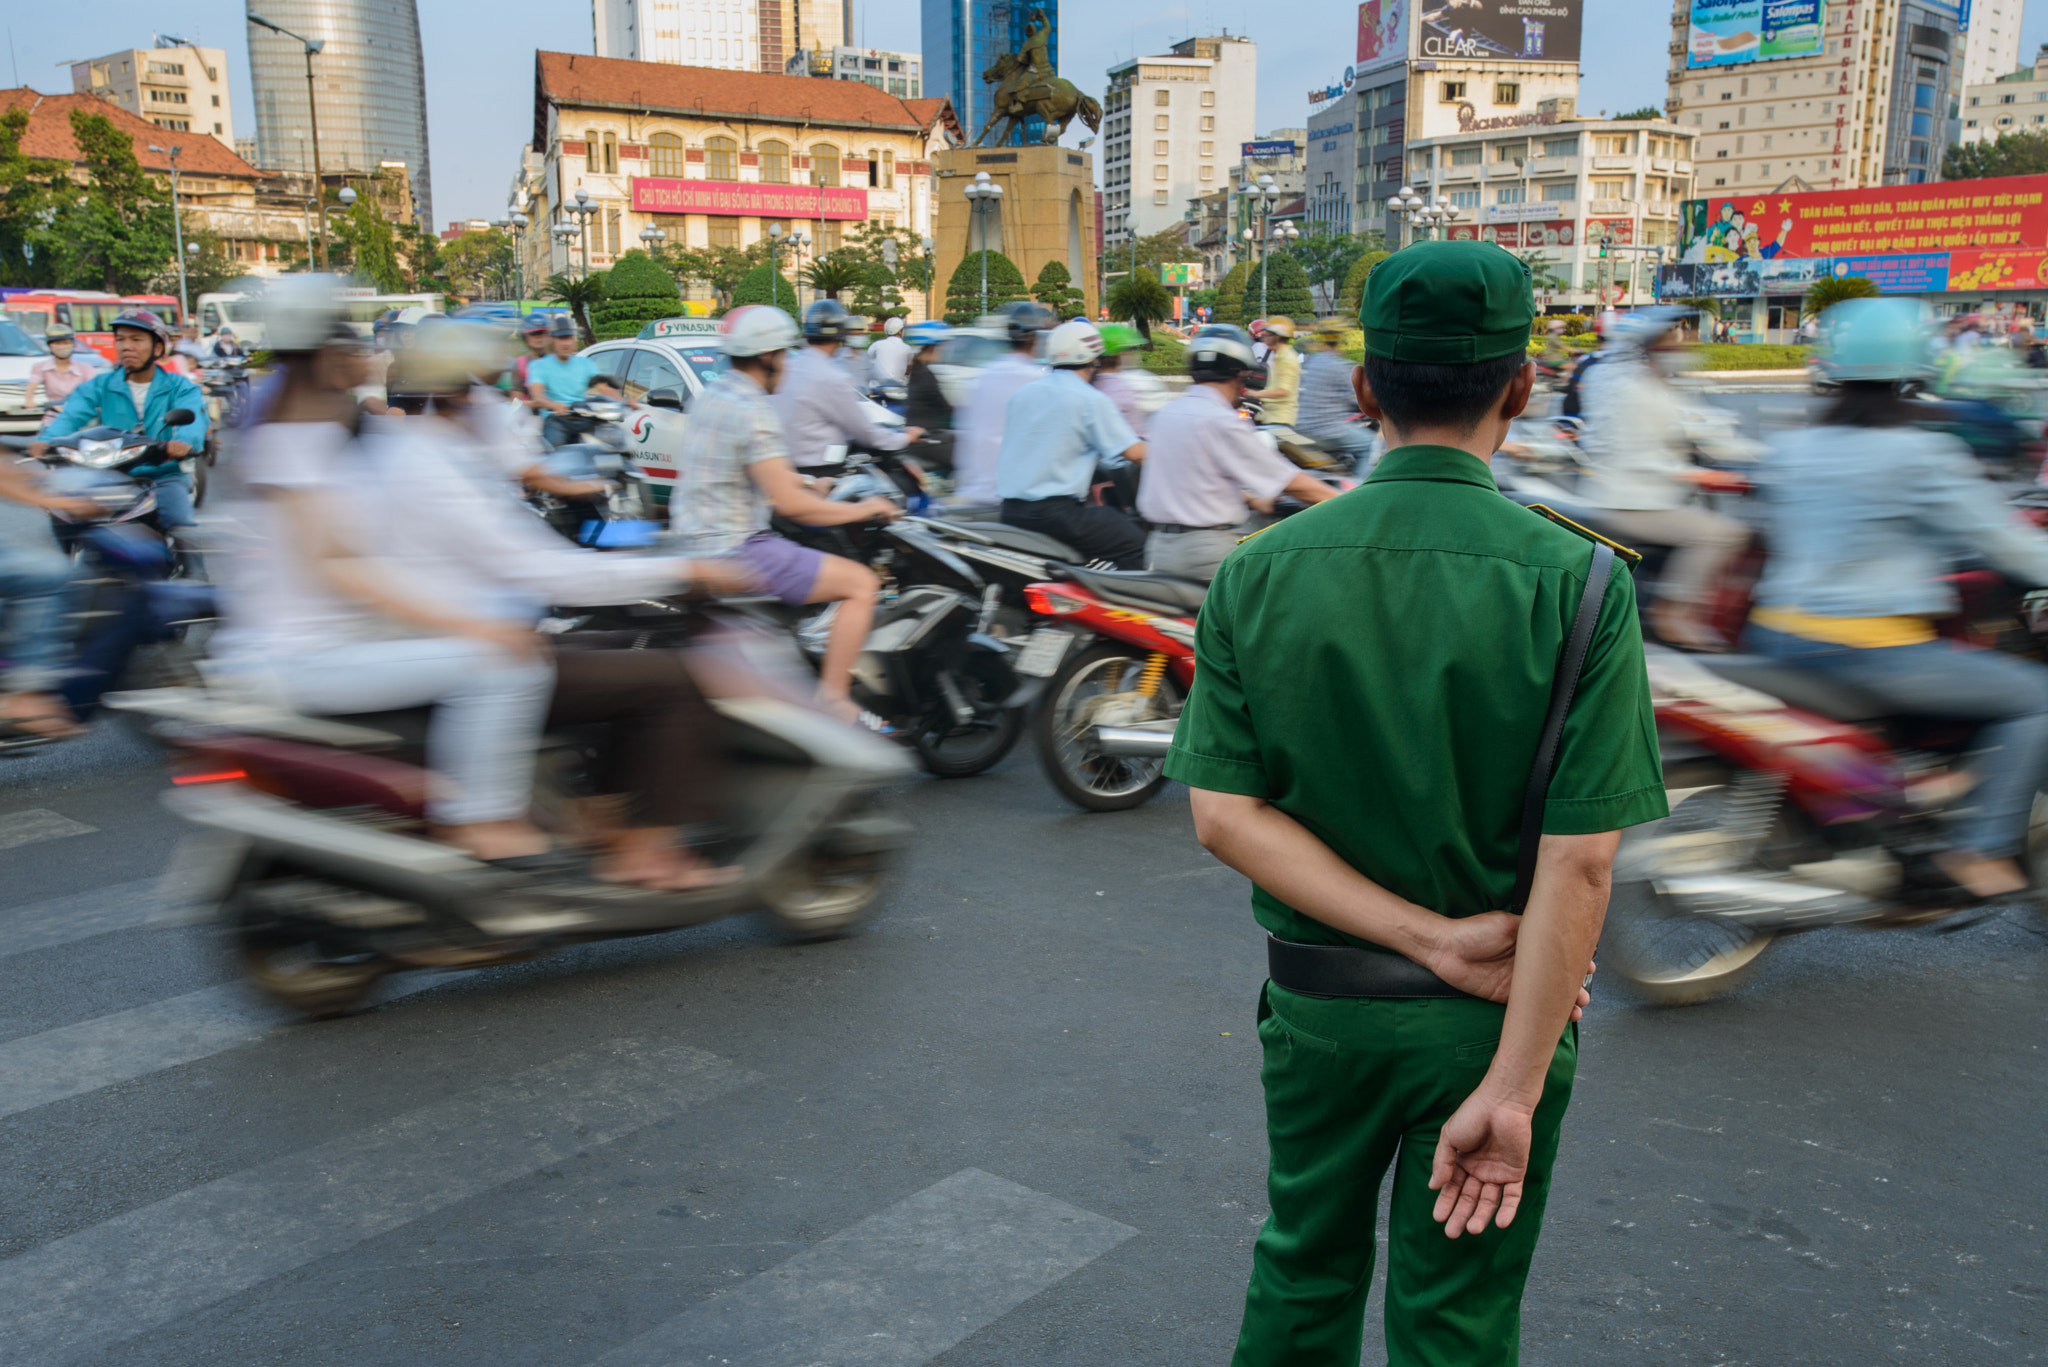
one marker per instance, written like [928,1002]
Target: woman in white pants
[311,609]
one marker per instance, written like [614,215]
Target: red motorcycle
[1797,803]
[1118,655]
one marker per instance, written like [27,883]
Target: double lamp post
[1263,197]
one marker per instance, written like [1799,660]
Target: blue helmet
[922,335]
[1875,339]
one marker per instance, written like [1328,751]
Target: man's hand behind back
[1476,954]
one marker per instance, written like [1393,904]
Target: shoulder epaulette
[1631,558]
[1260,532]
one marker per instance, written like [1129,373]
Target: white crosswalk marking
[895,1290]
[75,1059]
[26,828]
[61,920]
[167,1260]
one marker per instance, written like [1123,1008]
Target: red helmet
[142,320]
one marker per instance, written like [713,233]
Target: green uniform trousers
[1353,1085]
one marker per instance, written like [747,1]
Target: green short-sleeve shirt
[1379,666]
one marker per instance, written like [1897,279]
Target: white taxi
[661,372]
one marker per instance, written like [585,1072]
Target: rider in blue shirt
[136,396]
[1057,429]
[558,381]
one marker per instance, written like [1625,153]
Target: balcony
[1503,170]
[1659,208]
[1614,163]
[1681,168]
[1611,208]
[1459,173]
[1660,164]
[1549,166]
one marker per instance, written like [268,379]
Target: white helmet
[1076,342]
[301,312]
[892,327]
[756,330]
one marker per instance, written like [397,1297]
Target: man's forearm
[1560,927]
[1286,859]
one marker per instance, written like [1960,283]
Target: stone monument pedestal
[1047,213]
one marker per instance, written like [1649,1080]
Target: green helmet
[1875,339]
[1120,337]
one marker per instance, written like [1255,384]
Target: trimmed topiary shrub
[963,291]
[766,285]
[1354,283]
[636,292]
[1230,297]
[1055,289]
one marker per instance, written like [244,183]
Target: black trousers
[661,745]
[1098,533]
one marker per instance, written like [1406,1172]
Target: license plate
[1043,652]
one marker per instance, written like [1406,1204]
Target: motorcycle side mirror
[178,417]
[670,398]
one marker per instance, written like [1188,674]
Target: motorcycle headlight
[100,455]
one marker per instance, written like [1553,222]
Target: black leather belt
[1177,528]
[1346,971]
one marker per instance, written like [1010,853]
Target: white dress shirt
[820,408]
[1204,462]
[889,361]
[981,433]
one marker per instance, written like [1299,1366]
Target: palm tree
[1141,299]
[579,292]
[1825,294]
[830,274]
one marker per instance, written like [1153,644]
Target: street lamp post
[930,245]
[774,273]
[1423,212]
[564,233]
[518,221]
[889,255]
[982,196]
[313,47]
[583,209]
[177,228]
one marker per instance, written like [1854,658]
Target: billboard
[1946,237]
[1729,32]
[731,197]
[1501,30]
[1268,148]
[1382,33]
[1181,273]
[1530,235]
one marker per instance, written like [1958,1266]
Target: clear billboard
[1501,30]
[1731,32]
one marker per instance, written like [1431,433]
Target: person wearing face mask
[1642,472]
[51,381]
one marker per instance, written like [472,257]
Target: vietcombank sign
[1908,239]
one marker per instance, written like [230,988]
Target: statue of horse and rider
[1028,87]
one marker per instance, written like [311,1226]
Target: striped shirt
[732,427]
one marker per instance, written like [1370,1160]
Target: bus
[242,313]
[89,313]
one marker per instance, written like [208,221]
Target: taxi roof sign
[681,327]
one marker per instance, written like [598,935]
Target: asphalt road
[1015,1120]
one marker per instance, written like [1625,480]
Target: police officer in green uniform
[1374,680]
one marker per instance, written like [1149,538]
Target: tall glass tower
[963,38]
[369,79]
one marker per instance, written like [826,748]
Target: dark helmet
[827,321]
[562,326]
[142,320]
[1026,319]
[1223,352]
[57,332]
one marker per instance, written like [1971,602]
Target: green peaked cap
[1448,303]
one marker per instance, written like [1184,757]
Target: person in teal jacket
[137,382]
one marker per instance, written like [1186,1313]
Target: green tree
[2015,154]
[30,190]
[367,246]
[1285,293]
[877,297]
[579,292]
[1826,293]
[1230,296]
[637,291]
[1354,282]
[1647,112]
[1140,299]
[1055,289]
[835,272]
[766,284]
[718,269]
[207,269]
[1327,256]
[1543,276]
[114,231]
[963,292]
[481,265]
[883,287]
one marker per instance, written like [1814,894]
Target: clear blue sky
[480,71]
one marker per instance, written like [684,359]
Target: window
[774,162]
[648,371]
[824,164]
[1162,98]
[665,156]
[1208,123]
[1561,147]
[1159,148]
[216,102]
[1917,153]
[1465,199]
[1923,97]
[1159,122]
[1974,100]
[216,127]
[1453,91]
[2005,99]
[1159,196]
[1511,194]
[1208,149]
[1159,173]
[1510,151]
[1208,173]
[1466,156]
[724,232]
[888,168]
[1923,126]
[1208,99]
[593,159]
[1507,92]
[1614,144]
[1563,193]
[611,154]
[1773,85]
[611,232]
[1613,189]
[830,236]
[721,159]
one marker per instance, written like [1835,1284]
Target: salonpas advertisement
[1728,32]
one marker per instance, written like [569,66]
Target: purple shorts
[785,569]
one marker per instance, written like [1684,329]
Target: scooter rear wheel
[291,963]
[821,896]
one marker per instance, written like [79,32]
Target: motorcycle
[1798,803]
[600,451]
[1117,666]
[317,865]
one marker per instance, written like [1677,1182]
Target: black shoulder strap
[1570,665]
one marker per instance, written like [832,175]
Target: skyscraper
[733,35]
[963,38]
[369,79]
